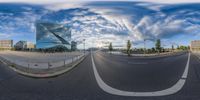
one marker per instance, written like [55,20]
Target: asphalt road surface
[119,72]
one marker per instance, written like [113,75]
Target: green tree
[129,47]
[183,47]
[158,45]
[153,50]
[110,47]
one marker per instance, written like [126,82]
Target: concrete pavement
[40,67]
[40,60]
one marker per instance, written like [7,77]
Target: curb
[45,75]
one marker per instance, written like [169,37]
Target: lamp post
[84,45]
[144,46]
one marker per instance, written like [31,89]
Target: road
[122,73]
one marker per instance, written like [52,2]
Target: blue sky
[103,22]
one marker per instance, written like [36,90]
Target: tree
[110,47]
[158,45]
[128,47]
[183,47]
[153,50]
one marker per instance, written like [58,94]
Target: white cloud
[64,5]
[5,35]
[152,6]
[39,1]
[62,1]
[104,25]
[147,27]
[172,1]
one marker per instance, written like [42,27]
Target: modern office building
[6,44]
[195,46]
[20,45]
[52,35]
[73,45]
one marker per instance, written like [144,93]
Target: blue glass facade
[49,35]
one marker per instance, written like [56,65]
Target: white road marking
[175,88]
[186,68]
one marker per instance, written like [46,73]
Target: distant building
[52,35]
[21,45]
[6,44]
[195,46]
[73,45]
[30,45]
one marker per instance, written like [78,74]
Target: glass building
[52,35]
[73,45]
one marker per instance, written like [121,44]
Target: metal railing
[31,66]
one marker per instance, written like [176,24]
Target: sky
[175,22]
[59,1]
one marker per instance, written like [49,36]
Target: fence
[37,65]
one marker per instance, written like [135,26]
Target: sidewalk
[196,64]
[40,64]
[197,54]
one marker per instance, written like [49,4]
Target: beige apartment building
[6,44]
[195,46]
[30,45]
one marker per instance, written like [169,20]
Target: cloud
[5,35]
[19,19]
[101,23]
[68,1]
[172,1]
[60,6]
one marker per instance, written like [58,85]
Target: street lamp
[84,45]
[144,46]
